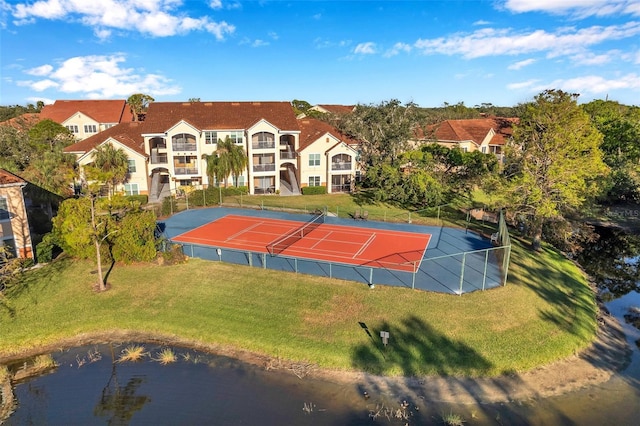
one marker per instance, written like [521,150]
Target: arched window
[341,162]
[183,142]
[263,140]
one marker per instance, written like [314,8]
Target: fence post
[370,276]
[484,275]
[413,279]
[250,259]
[464,257]
[264,260]
[506,268]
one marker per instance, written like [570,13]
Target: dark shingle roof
[161,116]
[475,129]
[102,111]
[312,129]
[129,134]
[8,178]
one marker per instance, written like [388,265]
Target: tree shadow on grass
[415,347]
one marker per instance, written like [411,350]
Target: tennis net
[279,245]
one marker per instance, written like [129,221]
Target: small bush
[314,190]
[169,206]
[47,249]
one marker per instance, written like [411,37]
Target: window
[90,128]
[131,189]
[314,180]
[210,138]
[484,149]
[4,208]
[237,137]
[131,166]
[314,160]
[73,129]
[108,125]
[239,181]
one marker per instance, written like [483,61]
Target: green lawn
[546,312]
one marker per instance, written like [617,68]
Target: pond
[91,385]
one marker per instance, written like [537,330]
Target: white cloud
[577,8]
[35,99]
[521,64]
[522,84]
[397,49]
[481,22]
[259,43]
[40,71]
[494,42]
[215,4]
[590,58]
[99,77]
[594,84]
[157,18]
[368,48]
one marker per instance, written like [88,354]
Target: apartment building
[284,154]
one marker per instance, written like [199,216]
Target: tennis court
[440,259]
[314,239]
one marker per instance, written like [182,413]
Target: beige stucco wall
[17,226]
[79,119]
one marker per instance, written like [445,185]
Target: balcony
[264,167]
[288,155]
[341,188]
[263,144]
[186,170]
[159,158]
[341,165]
[177,146]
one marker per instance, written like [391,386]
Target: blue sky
[325,52]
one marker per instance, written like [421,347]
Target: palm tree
[228,159]
[139,103]
[112,165]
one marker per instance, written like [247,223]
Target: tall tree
[385,130]
[228,159]
[554,163]
[47,135]
[139,102]
[620,125]
[111,166]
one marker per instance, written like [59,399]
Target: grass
[166,356]
[546,312]
[132,353]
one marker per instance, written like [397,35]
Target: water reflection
[609,261]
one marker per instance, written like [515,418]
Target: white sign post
[385,337]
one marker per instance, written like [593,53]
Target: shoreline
[608,353]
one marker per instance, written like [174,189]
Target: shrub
[135,240]
[169,206]
[314,190]
[47,249]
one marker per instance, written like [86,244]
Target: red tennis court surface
[344,244]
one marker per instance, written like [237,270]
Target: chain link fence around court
[458,261]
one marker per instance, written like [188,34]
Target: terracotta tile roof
[475,130]
[128,134]
[23,122]
[312,129]
[161,116]
[102,111]
[338,109]
[8,178]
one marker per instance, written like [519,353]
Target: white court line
[231,237]
[365,245]
[313,247]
